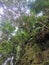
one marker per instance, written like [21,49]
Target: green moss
[36,48]
[46,63]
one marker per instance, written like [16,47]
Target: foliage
[33,33]
[28,26]
[6,47]
[7,28]
[39,5]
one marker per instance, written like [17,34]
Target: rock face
[42,38]
[31,53]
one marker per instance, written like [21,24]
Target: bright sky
[16,28]
[40,14]
[6,0]
[1,11]
[31,0]
[15,13]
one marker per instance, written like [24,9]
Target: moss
[46,63]
[38,58]
[36,48]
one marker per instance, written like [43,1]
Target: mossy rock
[36,48]
[46,55]
[46,63]
[38,58]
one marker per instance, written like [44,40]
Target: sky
[12,11]
[12,8]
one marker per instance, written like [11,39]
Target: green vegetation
[30,44]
